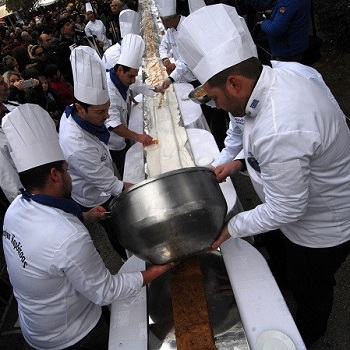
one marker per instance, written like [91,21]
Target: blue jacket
[288,27]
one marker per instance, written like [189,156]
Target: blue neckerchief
[119,85]
[101,132]
[67,205]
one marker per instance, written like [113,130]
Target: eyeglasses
[39,53]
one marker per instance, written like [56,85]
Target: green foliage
[333,23]
[17,5]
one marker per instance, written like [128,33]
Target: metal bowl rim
[161,176]
[200,100]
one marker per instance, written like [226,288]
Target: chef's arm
[168,65]
[123,131]
[154,271]
[228,169]
[224,236]
[94,215]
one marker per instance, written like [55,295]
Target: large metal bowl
[171,216]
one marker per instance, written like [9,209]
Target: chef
[295,141]
[178,71]
[95,27]
[59,280]
[129,22]
[9,180]
[83,138]
[119,80]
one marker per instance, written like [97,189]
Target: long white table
[265,316]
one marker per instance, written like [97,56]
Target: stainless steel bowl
[171,216]
[199,95]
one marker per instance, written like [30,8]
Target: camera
[27,83]
[260,16]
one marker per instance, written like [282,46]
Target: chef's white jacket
[9,179]
[234,139]
[98,29]
[303,151]
[90,165]
[118,109]
[58,278]
[168,44]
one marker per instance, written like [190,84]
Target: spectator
[47,42]
[20,53]
[65,28]
[38,58]
[27,39]
[34,94]
[57,83]
[287,29]
[79,21]
[15,83]
[54,106]
[10,63]
[112,22]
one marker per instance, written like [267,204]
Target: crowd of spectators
[38,49]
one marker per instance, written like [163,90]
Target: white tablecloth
[191,112]
[263,310]
[129,319]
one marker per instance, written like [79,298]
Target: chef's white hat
[132,49]
[32,136]
[89,75]
[214,38]
[129,22]
[88,7]
[194,5]
[166,8]
[111,56]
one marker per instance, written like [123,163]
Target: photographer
[17,86]
[67,36]
[287,29]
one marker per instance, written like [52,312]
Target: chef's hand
[127,185]
[154,271]
[168,65]
[224,236]
[158,88]
[166,83]
[228,169]
[94,215]
[145,139]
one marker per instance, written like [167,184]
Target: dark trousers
[310,275]
[118,158]
[111,229]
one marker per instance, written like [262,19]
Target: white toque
[214,38]
[89,75]
[32,137]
